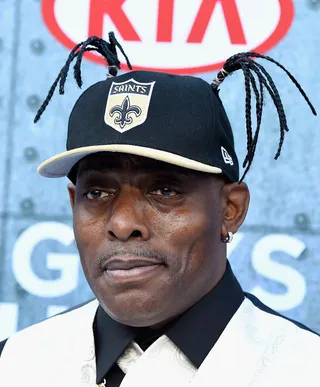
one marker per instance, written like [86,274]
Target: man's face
[148,234]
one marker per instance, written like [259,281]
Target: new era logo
[226,157]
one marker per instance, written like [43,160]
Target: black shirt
[194,333]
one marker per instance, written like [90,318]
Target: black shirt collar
[194,333]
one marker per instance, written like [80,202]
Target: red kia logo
[177,36]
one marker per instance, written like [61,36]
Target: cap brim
[61,164]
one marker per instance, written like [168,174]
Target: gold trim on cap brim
[61,164]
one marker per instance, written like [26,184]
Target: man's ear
[72,194]
[236,198]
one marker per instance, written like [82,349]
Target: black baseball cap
[172,118]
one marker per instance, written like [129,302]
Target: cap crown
[177,114]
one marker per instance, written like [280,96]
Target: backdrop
[276,253]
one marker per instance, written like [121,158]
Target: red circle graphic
[286,18]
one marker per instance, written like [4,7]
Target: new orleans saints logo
[124,111]
[128,104]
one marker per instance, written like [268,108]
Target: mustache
[140,252]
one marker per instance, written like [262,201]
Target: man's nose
[127,219]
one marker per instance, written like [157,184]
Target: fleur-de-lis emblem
[128,104]
[123,113]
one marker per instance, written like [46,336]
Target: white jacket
[257,349]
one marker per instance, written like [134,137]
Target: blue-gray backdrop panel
[276,254]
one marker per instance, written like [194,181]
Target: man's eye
[96,194]
[168,192]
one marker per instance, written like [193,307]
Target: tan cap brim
[61,164]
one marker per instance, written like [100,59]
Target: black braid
[246,73]
[259,104]
[102,48]
[250,69]
[282,115]
[108,50]
[259,111]
[277,102]
[62,76]
[47,100]
[293,79]
[115,42]
[65,68]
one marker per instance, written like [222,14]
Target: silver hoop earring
[228,239]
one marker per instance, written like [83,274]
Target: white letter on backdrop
[284,274]
[68,264]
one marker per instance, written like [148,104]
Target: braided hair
[250,69]
[257,79]
[106,49]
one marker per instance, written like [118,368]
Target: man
[156,195]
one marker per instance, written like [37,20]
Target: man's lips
[124,269]
[127,263]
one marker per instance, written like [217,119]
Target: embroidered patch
[128,104]
[226,157]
